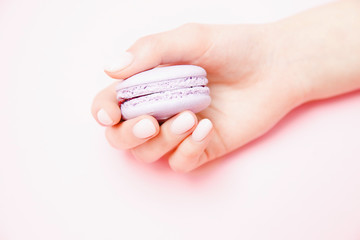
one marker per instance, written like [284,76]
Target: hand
[246,99]
[257,74]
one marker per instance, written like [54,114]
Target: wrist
[319,50]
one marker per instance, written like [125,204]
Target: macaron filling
[168,95]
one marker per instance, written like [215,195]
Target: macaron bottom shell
[165,108]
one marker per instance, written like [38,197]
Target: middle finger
[171,134]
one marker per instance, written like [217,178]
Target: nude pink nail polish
[202,130]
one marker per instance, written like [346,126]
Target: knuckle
[102,97]
[96,102]
[183,162]
[114,140]
[190,26]
[101,94]
[143,156]
[196,29]
[178,167]
[148,42]
[192,156]
[109,134]
[135,153]
[94,109]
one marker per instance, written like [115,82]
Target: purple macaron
[163,92]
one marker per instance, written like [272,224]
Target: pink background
[59,178]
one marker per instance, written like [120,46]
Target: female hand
[257,74]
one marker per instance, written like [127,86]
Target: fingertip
[147,127]
[115,75]
[178,168]
[104,118]
[116,65]
[133,132]
[202,130]
[108,114]
[182,123]
[105,108]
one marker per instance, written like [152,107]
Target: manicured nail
[202,130]
[144,128]
[184,122]
[104,118]
[121,62]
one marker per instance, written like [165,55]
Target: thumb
[183,45]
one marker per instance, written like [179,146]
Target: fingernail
[104,118]
[202,130]
[144,128]
[184,122]
[121,62]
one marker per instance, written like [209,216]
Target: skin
[257,74]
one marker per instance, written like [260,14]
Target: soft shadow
[280,127]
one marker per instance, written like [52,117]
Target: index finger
[183,45]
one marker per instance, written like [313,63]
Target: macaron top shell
[160,74]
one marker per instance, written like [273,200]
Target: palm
[245,104]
